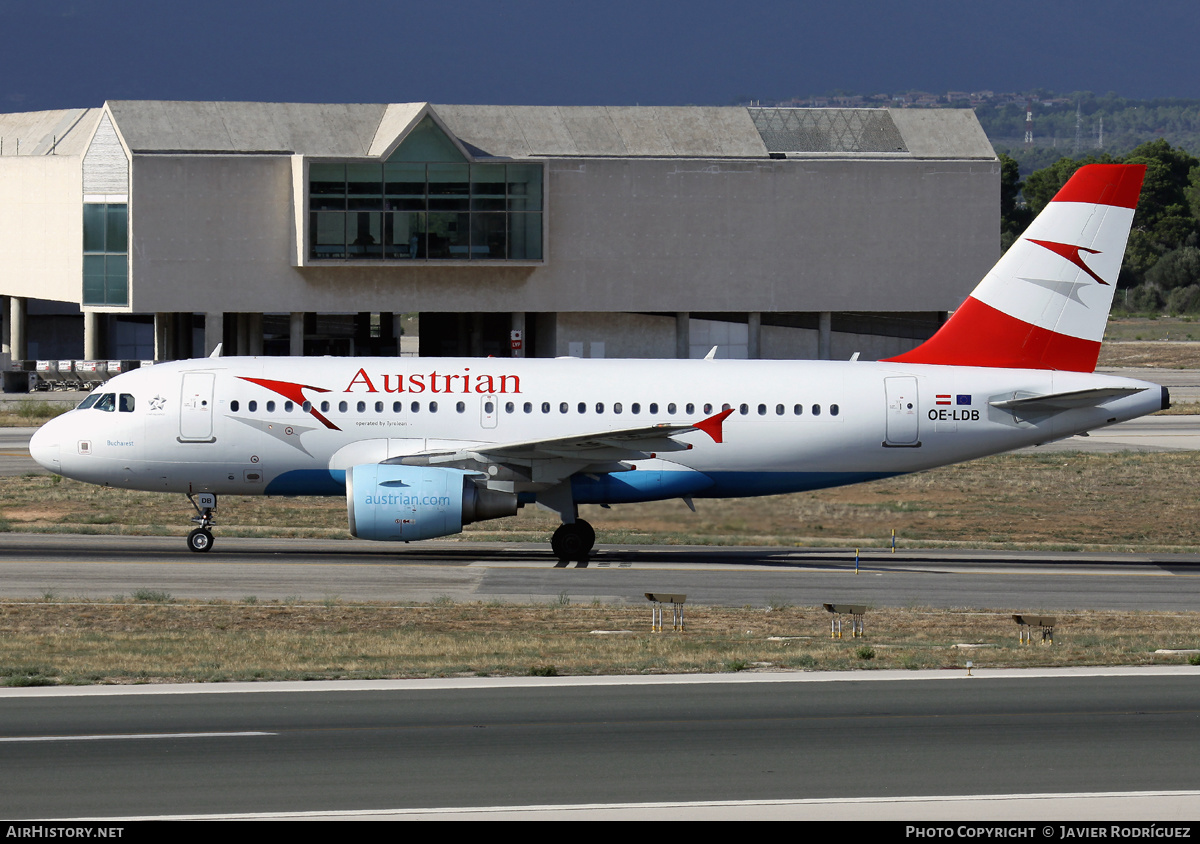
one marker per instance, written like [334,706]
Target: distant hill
[1070,125]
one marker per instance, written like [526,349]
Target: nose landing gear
[201,539]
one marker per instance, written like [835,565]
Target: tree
[1014,215]
[1163,221]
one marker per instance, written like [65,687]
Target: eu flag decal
[963,400]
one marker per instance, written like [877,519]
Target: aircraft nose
[43,447]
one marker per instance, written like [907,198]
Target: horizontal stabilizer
[1066,401]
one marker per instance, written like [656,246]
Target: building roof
[149,126]
[60,132]
[373,130]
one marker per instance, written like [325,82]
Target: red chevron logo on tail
[1072,254]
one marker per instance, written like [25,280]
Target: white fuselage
[201,426]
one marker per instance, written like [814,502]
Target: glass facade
[106,254]
[425,203]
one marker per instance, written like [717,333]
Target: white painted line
[129,736]
[469,683]
[1031,808]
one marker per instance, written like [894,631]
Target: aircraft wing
[547,461]
[1066,401]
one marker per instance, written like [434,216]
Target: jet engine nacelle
[392,502]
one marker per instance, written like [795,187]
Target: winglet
[712,425]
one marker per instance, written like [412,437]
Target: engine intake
[389,502]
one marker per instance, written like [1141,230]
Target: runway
[868,745]
[36,565]
[1017,746]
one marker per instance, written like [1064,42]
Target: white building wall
[41,227]
[623,236]
[622,335]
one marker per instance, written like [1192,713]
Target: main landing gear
[201,539]
[573,542]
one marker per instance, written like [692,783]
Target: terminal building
[147,229]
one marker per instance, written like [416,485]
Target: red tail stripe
[988,337]
[1104,184]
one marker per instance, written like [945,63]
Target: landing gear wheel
[200,540]
[573,541]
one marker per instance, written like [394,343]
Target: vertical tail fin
[1045,303]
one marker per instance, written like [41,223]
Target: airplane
[421,447]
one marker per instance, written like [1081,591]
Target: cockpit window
[88,402]
[107,403]
[126,403]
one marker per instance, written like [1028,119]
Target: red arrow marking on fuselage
[712,425]
[1072,254]
[293,392]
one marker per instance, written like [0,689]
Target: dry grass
[1126,501]
[127,642]
[1151,355]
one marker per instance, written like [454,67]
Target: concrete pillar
[183,331]
[518,324]
[398,332]
[5,329]
[296,334]
[683,335]
[254,334]
[214,331]
[547,335]
[824,335]
[476,335]
[241,340]
[754,342]
[18,309]
[93,335]
[164,336]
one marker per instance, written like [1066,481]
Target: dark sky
[68,53]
